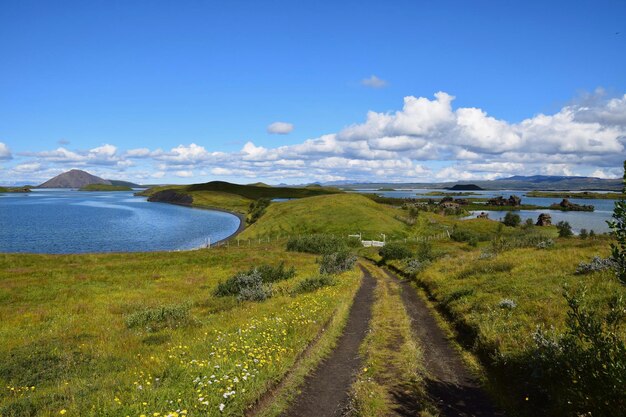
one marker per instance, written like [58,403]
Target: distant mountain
[517,182]
[74,178]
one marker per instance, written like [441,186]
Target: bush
[264,274]
[318,243]
[583,234]
[583,371]
[277,273]
[313,283]
[257,209]
[335,263]
[414,266]
[618,230]
[460,235]
[257,291]
[528,224]
[545,244]
[507,304]
[425,251]
[597,264]
[154,319]
[512,219]
[564,228]
[394,250]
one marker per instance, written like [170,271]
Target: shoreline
[240,228]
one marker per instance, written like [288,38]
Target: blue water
[595,220]
[66,221]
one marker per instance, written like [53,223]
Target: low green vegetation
[105,187]
[15,189]
[499,294]
[254,192]
[339,214]
[142,333]
[584,194]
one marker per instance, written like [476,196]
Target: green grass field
[67,344]
[340,214]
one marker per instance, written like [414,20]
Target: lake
[595,220]
[68,221]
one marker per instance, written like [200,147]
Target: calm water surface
[67,221]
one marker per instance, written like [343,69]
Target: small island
[15,190]
[104,187]
[567,205]
[465,187]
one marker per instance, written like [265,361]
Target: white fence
[373,243]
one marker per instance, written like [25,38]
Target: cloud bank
[426,140]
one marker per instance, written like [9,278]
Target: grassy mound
[105,187]
[337,214]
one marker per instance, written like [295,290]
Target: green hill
[105,187]
[254,192]
[124,183]
[336,213]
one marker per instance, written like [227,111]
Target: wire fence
[271,240]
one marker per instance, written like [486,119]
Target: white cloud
[280,128]
[584,138]
[374,82]
[184,174]
[5,152]
[27,167]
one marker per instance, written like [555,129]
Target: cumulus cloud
[427,139]
[5,152]
[280,128]
[27,167]
[374,82]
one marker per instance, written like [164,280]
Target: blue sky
[167,91]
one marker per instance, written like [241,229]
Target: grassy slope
[105,187]
[338,214]
[208,199]
[469,290]
[62,331]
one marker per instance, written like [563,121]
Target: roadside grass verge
[391,381]
[497,304]
[67,341]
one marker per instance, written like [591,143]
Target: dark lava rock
[171,196]
[544,219]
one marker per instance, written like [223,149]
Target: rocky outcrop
[171,196]
[74,178]
[544,219]
[567,205]
[483,215]
[512,201]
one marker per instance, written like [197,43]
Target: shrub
[414,266]
[257,209]
[507,304]
[394,250]
[618,230]
[564,228]
[277,273]
[597,264]
[335,263]
[318,243]
[154,319]
[528,224]
[592,234]
[425,251]
[583,234]
[460,235]
[313,283]
[512,219]
[257,291]
[591,354]
[545,244]
[264,274]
